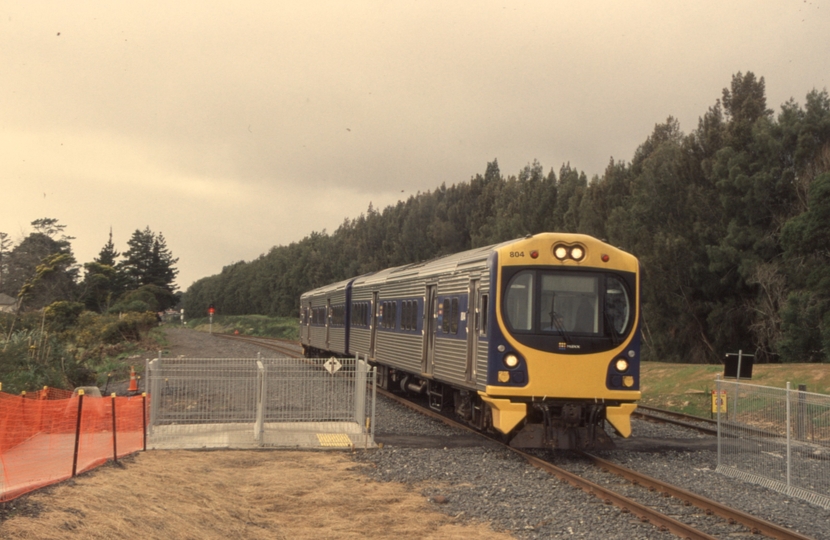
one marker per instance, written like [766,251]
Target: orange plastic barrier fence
[50,435]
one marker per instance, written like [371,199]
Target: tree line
[41,270]
[731,223]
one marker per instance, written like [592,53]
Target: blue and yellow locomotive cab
[564,341]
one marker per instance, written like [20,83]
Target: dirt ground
[232,494]
[267,494]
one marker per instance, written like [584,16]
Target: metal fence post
[260,402]
[720,435]
[360,392]
[789,442]
[374,400]
[800,415]
[153,382]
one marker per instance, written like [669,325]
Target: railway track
[283,346]
[718,518]
[703,425]
[643,512]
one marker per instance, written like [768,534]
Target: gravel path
[183,342]
[484,483]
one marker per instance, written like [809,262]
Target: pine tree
[108,253]
[104,281]
[148,261]
[162,270]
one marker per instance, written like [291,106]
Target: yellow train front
[564,341]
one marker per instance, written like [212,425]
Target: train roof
[326,289]
[439,265]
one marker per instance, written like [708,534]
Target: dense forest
[730,223]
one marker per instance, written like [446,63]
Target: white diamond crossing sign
[332,365]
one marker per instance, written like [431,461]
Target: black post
[77,432]
[144,417]
[114,443]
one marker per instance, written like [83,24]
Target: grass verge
[250,325]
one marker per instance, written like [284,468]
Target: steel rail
[264,342]
[678,415]
[656,417]
[661,415]
[644,513]
[755,524]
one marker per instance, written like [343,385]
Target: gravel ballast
[488,483]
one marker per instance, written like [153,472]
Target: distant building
[7,303]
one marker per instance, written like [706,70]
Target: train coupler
[566,427]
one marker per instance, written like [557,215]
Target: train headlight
[621,365]
[628,381]
[560,252]
[511,360]
[577,253]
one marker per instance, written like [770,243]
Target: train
[536,340]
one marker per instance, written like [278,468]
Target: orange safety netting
[49,393]
[42,442]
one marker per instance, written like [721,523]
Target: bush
[128,327]
[63,315]
[31,359]
[63,346]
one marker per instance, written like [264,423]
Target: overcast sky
[232,127]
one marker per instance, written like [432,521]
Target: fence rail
[52,435]
[245,402]
[779,438]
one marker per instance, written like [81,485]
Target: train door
[307,321]
[430,321]
[328,322]
[373,325]
[473,320]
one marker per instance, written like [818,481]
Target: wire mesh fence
[242,403]
[779,438]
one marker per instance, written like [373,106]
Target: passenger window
[445,323]
[454,317]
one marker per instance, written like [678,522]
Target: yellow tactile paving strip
[334,439]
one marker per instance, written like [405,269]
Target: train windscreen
[555,302]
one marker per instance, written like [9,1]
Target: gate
[260,402]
